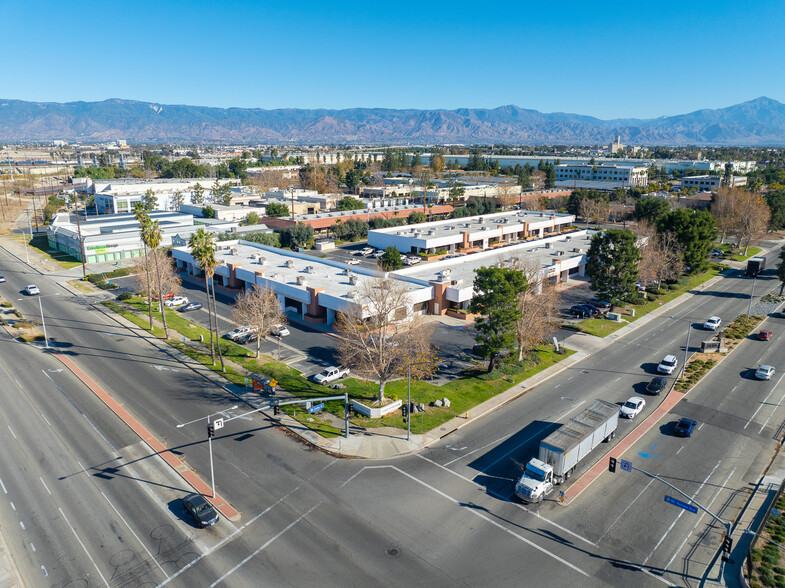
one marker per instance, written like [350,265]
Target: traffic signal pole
[727,541]
[210,433]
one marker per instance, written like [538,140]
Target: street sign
[680,504]
[308,405]
[273,383]
[218,424]
[316,407]
[626,465]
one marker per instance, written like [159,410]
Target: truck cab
[536,481]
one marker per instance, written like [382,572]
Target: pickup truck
[330,374]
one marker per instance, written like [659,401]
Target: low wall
[376,413]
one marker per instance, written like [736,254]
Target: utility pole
[79,231]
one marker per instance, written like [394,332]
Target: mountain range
[757,122]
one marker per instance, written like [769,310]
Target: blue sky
[606,59]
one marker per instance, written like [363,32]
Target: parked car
[2,279]
[353,261]
[237,333]
[379,253]
[190,306]
[712,323]
[764,335]
[32,290]
[601,304]
[330,374]
[579,311]
[248,337]
[685,427]
[667,365]
[366,251]
[176,301]
[279,330]
[657,385]
[590,309]
[594,309]
[203,513]
[412,260]
[764,372]
[632,407]
[717,252]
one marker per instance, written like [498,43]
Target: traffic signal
[405,409]
[276,409]
[612,465]
[727,544]
[210,431]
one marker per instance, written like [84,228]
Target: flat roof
[456,226]
[284,267]
[543,252]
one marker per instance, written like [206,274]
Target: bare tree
[752,216]
[661,258]
[594,210]
[378,335]
[170,281]
[259,308]
[505,195]
[723,210]
[539,306]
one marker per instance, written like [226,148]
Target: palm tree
[151,237]
[203,252]
[141,216]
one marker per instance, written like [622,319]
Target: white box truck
[562,450]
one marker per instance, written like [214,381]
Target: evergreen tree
[612,265]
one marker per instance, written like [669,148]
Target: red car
[764,335]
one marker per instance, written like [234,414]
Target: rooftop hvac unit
[445,272]
[261,260]
[288,263]
[456,282]
[450,228]
[352,294]
[235,251]
[558,253]
[432,232]
[577,250]
[353,280]
[347,271]
[542,214]
[301,280]
[548,245]
[308,269]
[568,238]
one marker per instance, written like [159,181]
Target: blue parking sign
[626,465]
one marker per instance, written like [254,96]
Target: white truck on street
[562,450]
[330,374]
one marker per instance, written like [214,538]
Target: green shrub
[6,304]
[125,296]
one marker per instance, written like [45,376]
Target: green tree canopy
[696,232]
[776,201]
[612,264]
[650,208]
[150,201]
[351,229]
[350,203]
[781,270]
[352,179]
[496,292]
[251,218]
[416,217]
[391,260]
[297,236]
[208,212]
[276,209]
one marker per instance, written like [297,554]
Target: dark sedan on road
[190,306]
[203,513]
[685,427]
[656,386]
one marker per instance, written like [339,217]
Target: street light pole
[210,448]
[687,346]
[43,322]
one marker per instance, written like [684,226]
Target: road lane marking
[263,547]
[679,515]
[763,426]
[46,419]
[32,547]
[480,486]
[475,512]
[3,486]
[646,487]
[760,405]
[150,555]
[83,546]
[13,506]
[675,553]
[617,379]
[479,449]
[229,537]
[679,451]
[12,431]
[21,524]
[45,486]
[46,574]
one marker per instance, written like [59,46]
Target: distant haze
[757,122]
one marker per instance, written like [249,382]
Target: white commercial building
[471,233]
[120,196]
[709,183]
[630,176]
[115,237]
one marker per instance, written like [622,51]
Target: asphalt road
[441,518]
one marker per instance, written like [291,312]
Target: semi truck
[755,265]
[562,450]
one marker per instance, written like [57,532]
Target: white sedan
[632,407]
[353,261]
[32,290]
[279,330]
[712,323]
[764,372]
[176,301]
